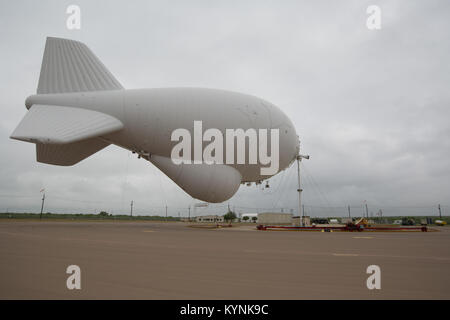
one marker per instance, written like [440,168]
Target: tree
[245,218]
[254,219]
[229,216]
[103,214]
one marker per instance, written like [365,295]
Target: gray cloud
[371,107]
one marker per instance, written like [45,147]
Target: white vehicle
[80,108]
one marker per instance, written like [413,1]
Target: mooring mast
[299,190]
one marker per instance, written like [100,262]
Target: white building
[250,217]
[275,218]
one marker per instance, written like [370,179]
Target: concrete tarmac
[155,260]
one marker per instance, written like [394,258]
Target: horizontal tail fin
[61,125]
[69,66]
[64,135]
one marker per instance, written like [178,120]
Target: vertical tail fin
[70,66]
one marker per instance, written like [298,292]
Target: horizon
[370,106]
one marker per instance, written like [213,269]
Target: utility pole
[166,213]
[189,216]
[42,206]
[348,207]
[439,207]
[131,208]
[299,190]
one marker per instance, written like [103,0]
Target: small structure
[274,218]
[209,218]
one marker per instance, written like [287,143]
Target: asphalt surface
[148,260]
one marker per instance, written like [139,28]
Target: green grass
[81,216]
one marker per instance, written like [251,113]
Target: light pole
[42,206]
[299,190]
[131,208]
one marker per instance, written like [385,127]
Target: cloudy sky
[372,107]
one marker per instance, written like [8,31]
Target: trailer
[349,227]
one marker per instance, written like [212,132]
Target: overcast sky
[372,107]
